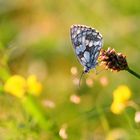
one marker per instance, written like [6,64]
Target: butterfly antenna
[81,78]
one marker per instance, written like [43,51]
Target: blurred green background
[35,39]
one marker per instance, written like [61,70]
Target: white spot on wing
[86,42]
[100,43]
[96,54]
[75,29]
[80,39]
[78,31]
[90,43]
[95,43]
[83,59]
[82,48]
[87,56]
[94,33]
[89,32]
[83,39]
[73,35]
[84,33]
[77,49]
[100,35]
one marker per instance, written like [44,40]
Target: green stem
[133,73]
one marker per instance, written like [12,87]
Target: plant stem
[133,73]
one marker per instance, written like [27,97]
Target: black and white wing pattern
[87,43]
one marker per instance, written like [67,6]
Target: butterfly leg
[98,72]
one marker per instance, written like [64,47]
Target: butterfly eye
[86,71]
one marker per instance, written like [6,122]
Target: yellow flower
[16,85]
[121,97]
[117,107]
[122,94]
[34,87]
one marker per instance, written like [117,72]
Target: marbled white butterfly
[87,43]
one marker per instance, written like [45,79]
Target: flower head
[121,97]
[117,107]
[113,60]
[19,86]
[16,85]
[33,85]
[137,117]
[122,94]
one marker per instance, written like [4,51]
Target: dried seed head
[113,60]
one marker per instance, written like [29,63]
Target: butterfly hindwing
[87,43]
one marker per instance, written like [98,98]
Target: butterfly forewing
[87,43]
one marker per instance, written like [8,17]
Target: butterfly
[87,43]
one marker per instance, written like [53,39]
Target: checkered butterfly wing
[87,43]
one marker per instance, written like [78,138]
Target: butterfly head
[86,70]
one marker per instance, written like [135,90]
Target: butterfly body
[87,43]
